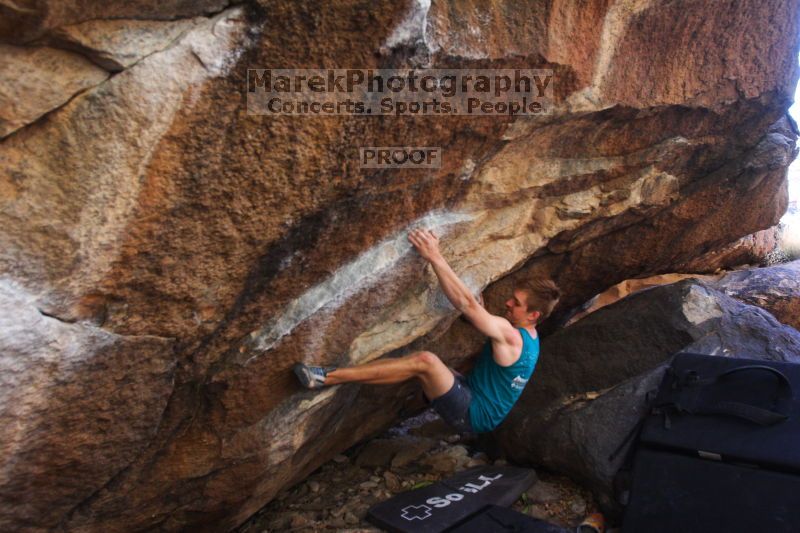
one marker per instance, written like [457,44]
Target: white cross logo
[416,512]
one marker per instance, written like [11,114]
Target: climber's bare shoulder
[506,340]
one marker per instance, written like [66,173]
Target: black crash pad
[497,519]
[679,493]
[444,504]
[753,382]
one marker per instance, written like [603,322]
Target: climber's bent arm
[461,297]
[497,328]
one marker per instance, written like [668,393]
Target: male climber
[479,402]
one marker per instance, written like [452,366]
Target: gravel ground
[419,451]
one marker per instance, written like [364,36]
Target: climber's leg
[434,375]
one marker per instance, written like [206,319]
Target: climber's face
[517,310]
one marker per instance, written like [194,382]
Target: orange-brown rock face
[167,257]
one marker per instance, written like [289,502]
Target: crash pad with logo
[443,505]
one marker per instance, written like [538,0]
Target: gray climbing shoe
[312,377]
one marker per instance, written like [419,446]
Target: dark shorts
[453,406]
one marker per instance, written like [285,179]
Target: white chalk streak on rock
[351,278]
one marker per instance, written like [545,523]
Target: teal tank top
[495,388]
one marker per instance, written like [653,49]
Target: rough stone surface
[629,286]
[118,44]
[543,492]
[591,381]
[757,249]
[397,452]
[38,80]
[153,205]
[77,406]
[775,288]
[24,20]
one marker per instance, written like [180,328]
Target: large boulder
[629,286]
[77,405]
[153,206]
[757,249]
[590,385]
[775,288]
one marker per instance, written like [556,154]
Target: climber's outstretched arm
[497,328]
